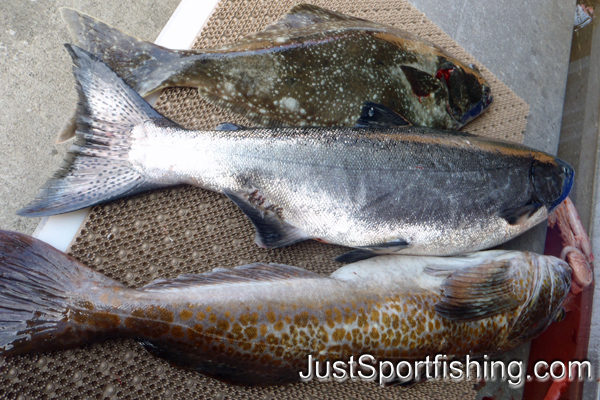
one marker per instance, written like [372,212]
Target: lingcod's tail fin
[96,168]
[39,288]
[143,65]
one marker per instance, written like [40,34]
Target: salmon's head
[552,180]
[469,94]
[548,283]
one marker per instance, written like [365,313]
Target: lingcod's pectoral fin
[375,115]
[303,15]
[477,292]
[228,126]
[390,247]
[518,215]
[422,83]
[271,230]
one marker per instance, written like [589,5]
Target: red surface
[565,341]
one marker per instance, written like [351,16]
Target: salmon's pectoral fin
[476,292]
[421,83]
[365,253]
[375,115]
[518,215]
[271,230]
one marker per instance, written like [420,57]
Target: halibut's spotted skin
[407,190]
[257,324]
[314,67]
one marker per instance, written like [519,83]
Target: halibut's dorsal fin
[477,292]
[251,273]
[271,230]
[303,15]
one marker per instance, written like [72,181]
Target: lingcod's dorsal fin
[303,15]
[477,292]
[251,273]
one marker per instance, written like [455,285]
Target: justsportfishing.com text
[366,367]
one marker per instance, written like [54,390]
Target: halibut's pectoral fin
[476,292]
[303,15]
[228,126]
[518,215]
[422,83]
[271,230]
[375,115]
[390,247]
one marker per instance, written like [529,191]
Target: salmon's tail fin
[143,65]
[39,289]
[97,168]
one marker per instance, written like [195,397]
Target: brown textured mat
[188,230]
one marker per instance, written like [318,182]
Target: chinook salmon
[390,307]
[402,189]
[313,67]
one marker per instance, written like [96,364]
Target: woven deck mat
[185,230]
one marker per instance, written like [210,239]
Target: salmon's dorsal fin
[251,273]
[303,15]
[476,292]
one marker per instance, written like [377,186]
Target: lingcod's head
[469,94]
[549,283]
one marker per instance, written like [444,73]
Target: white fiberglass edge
[180,32]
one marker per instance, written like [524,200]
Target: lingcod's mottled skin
[257,325]
[312,68]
